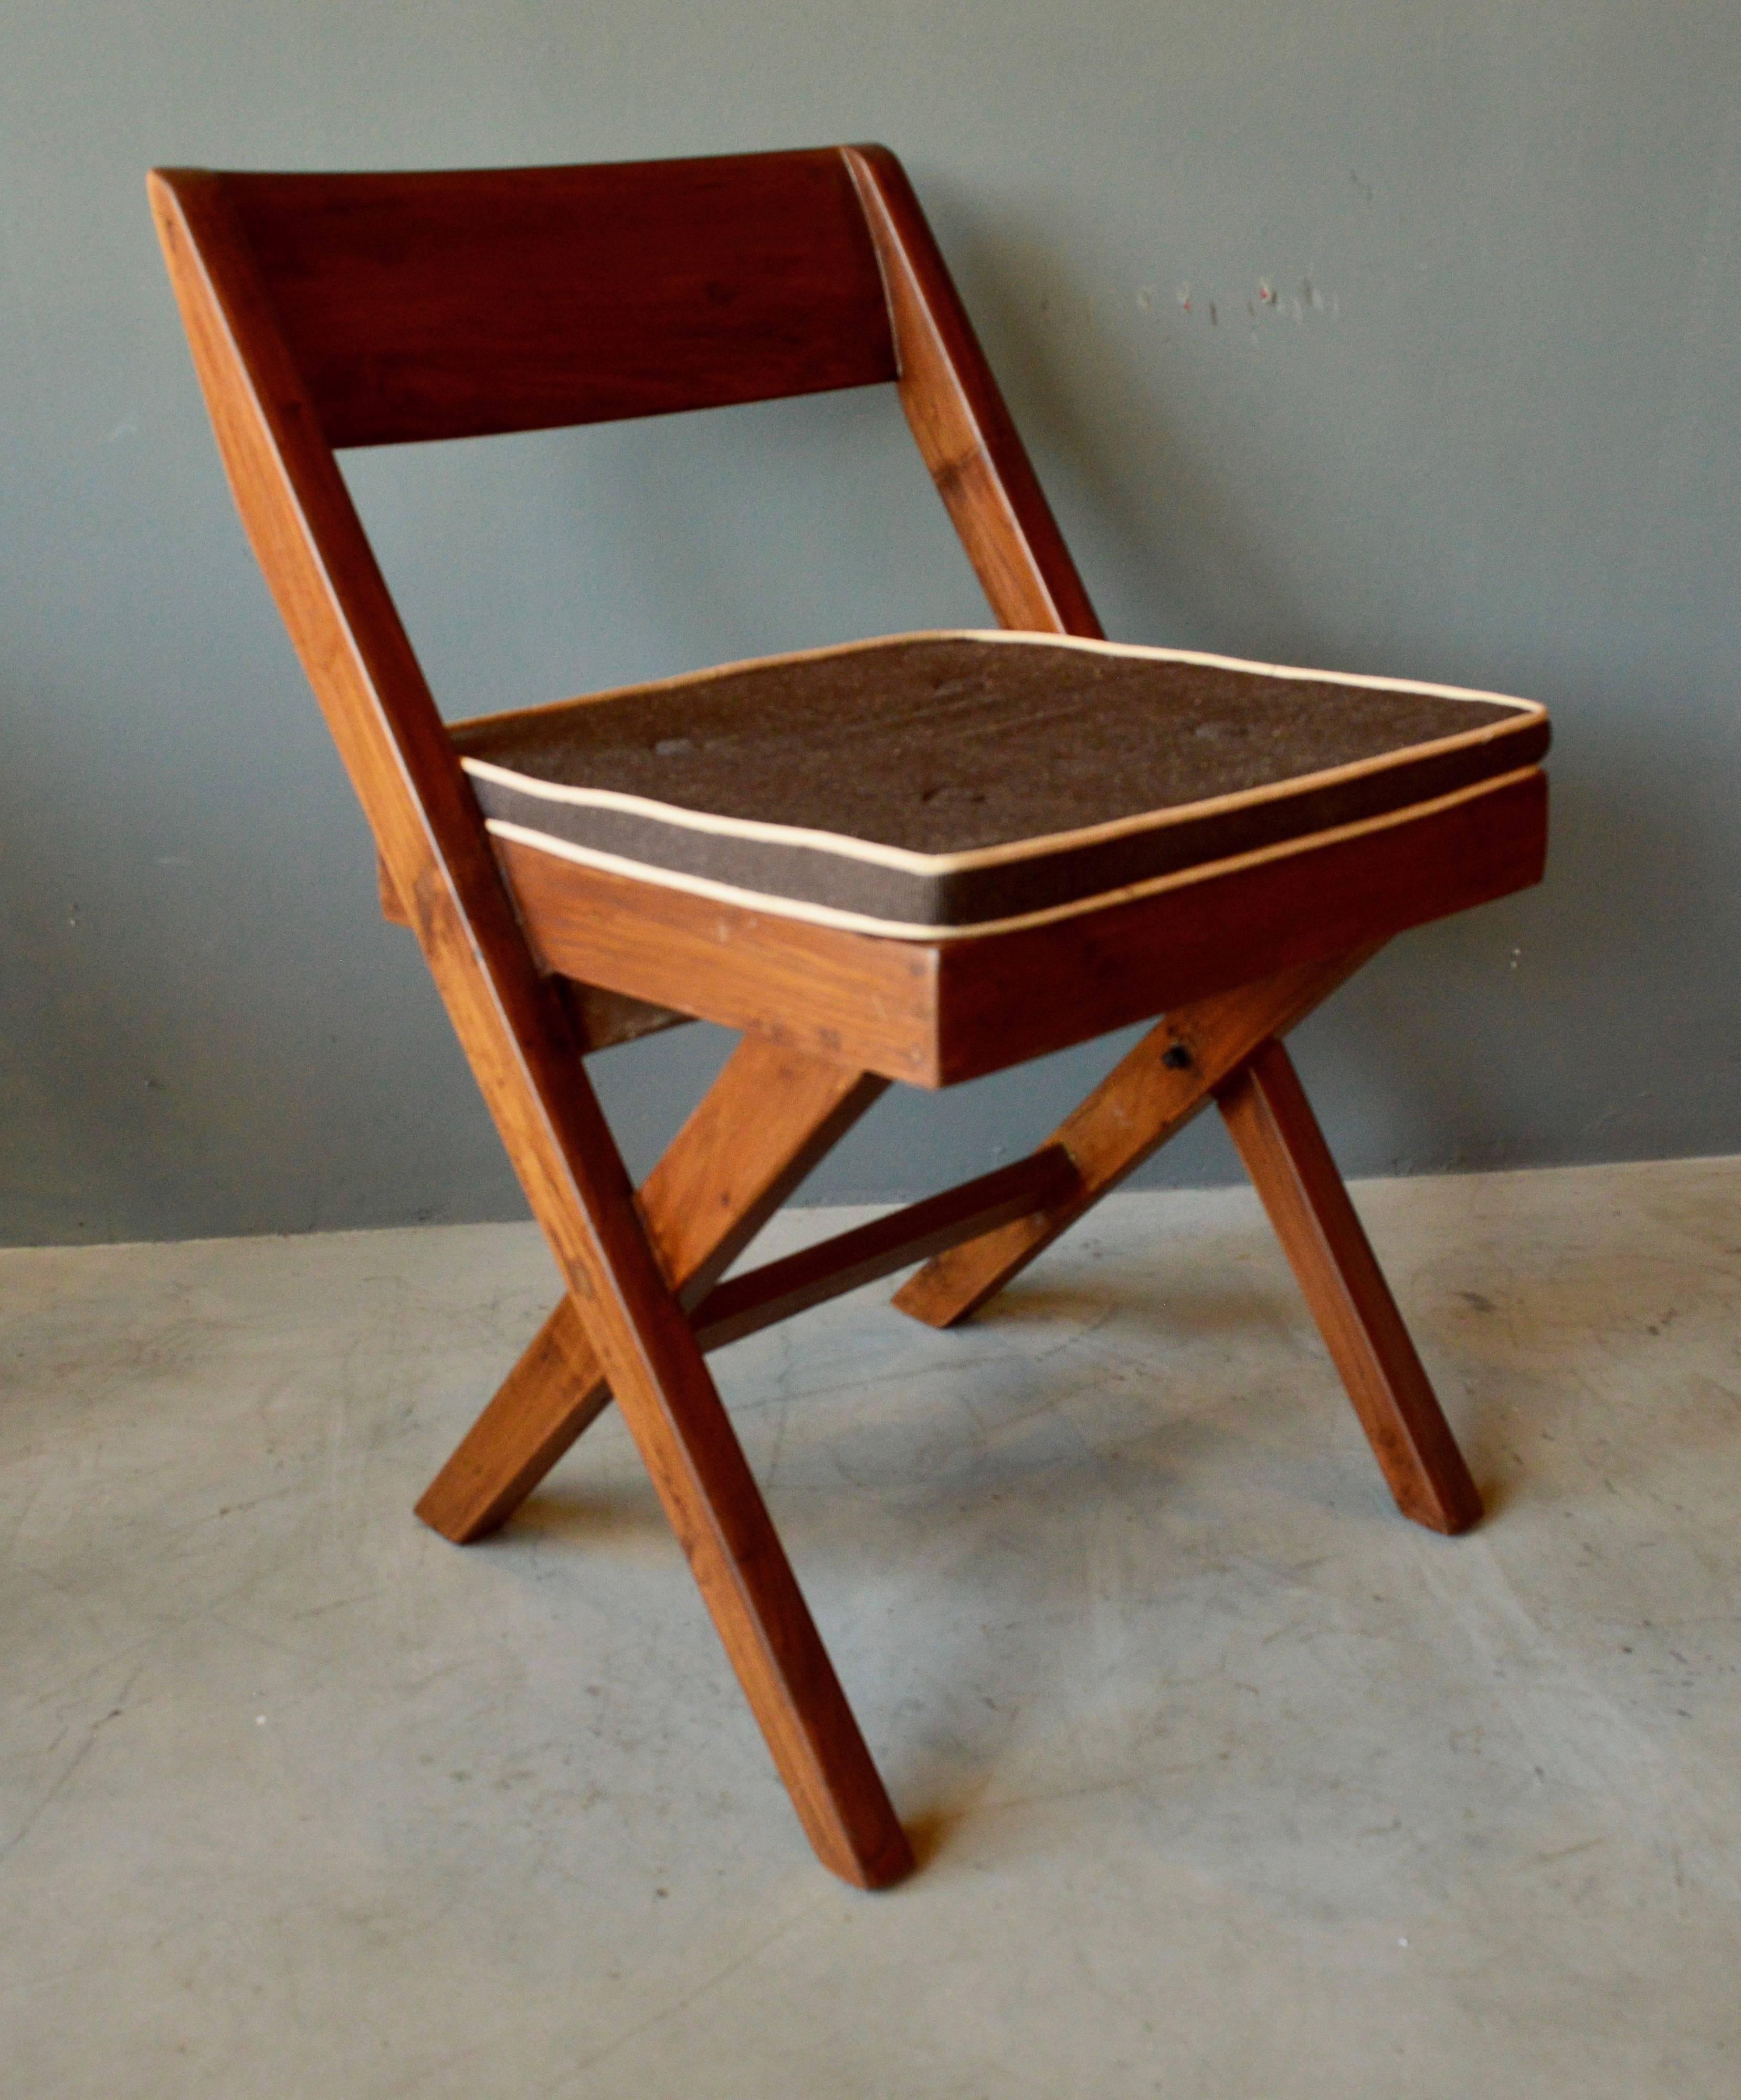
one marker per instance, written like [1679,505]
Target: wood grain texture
[957,414]
[1271,1121]
[329,591]
[848,999]
[764,1124]
[982,471]
[1147,1098]
[771,1117]
[426,305]
[554,1393]
[394,908]
[599,1019]
[762,1297]
[1132,960]
[934,1013]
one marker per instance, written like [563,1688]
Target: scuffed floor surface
[1227,1782]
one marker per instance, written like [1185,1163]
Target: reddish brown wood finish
[599,1019]
[768,1119]
[554,1393]
[1111,967]
[1149,1096]
[763,1297]
[330,593]
[1272,1123]
[936,1012]
[845,998]
[957,414]
[454,305]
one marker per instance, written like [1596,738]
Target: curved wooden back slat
[449,305]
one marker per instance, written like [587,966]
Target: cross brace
[772,1114]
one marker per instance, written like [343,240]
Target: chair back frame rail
[328,311]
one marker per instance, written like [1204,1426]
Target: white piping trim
[843,845]
[860,922]
[1024,637]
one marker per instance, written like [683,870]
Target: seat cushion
[943,786]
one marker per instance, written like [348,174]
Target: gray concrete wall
[1393,339]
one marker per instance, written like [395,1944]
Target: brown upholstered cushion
[947,784]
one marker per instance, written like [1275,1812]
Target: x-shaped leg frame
[772,1114]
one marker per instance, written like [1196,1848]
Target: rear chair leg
[1271,1121]
[551,1397]
[1147,1098]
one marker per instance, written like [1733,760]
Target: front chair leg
[1272,1123]
[614,1271]
[768,1119]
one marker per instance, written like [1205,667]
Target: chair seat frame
[539,962]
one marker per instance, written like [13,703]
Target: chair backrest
[393,308]
[328,311]
[454,305]
[333,310]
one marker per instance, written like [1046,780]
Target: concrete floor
[1227,1781]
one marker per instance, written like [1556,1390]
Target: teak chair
[327,312]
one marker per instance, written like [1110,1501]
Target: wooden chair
[327,312]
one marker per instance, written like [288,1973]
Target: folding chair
[923,858]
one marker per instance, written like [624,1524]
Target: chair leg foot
[1272,1123]
[673,1410]
[553,1393]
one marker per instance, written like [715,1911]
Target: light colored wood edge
[392,907]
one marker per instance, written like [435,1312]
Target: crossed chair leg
[772,1114]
